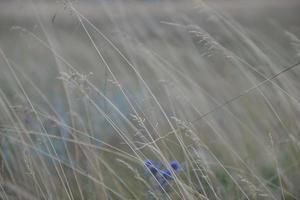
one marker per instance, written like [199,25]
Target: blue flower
[148,163]
[162,176]
[153,169]
[166,174]
[175,165]
[165,177]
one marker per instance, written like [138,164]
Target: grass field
[149,100]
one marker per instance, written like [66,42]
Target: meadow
[149,100]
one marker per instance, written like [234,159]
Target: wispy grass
[147,101]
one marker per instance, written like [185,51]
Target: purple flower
[148,163]
[163,176]
[175,165]
[166,174]
[153,169]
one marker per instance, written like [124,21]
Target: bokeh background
[91,89]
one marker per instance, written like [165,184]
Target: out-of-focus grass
[90,91]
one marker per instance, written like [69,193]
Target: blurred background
[89,89]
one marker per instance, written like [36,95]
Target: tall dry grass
[87,97]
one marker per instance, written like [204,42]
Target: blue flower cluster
[163,176]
